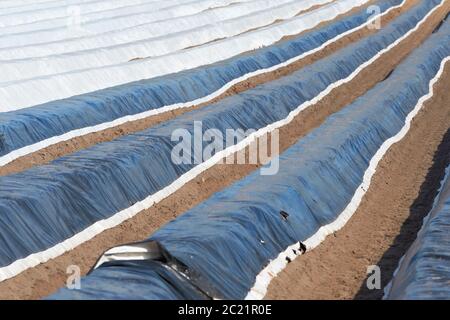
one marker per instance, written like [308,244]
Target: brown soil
[53,152]
[46,278]
[388,219]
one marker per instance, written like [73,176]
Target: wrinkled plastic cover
[225,242]
[48,204]
[424,272]
[21,22]
[28,126]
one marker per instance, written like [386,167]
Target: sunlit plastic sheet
[222,244]
[147,280]
[104,21]
[212,24]
[144,31]
[424,272]
[25,127]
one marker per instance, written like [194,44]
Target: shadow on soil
[420,208]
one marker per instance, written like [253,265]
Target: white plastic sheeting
[60,10]
[41,90]
[165,44]
[147,31]
[104,21]
[91,17]
[55,6]
[53,129]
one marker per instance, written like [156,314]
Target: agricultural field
[224,150]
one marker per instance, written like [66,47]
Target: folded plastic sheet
[210,27]
[225,242]
[139,32]
[105,21]
[52,208]
[26,127]
[424,272]
[63,85]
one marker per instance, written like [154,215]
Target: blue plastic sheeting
[46,205]
[424,272]
[226,241]
[28,126]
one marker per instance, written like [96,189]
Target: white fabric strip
[41,257]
